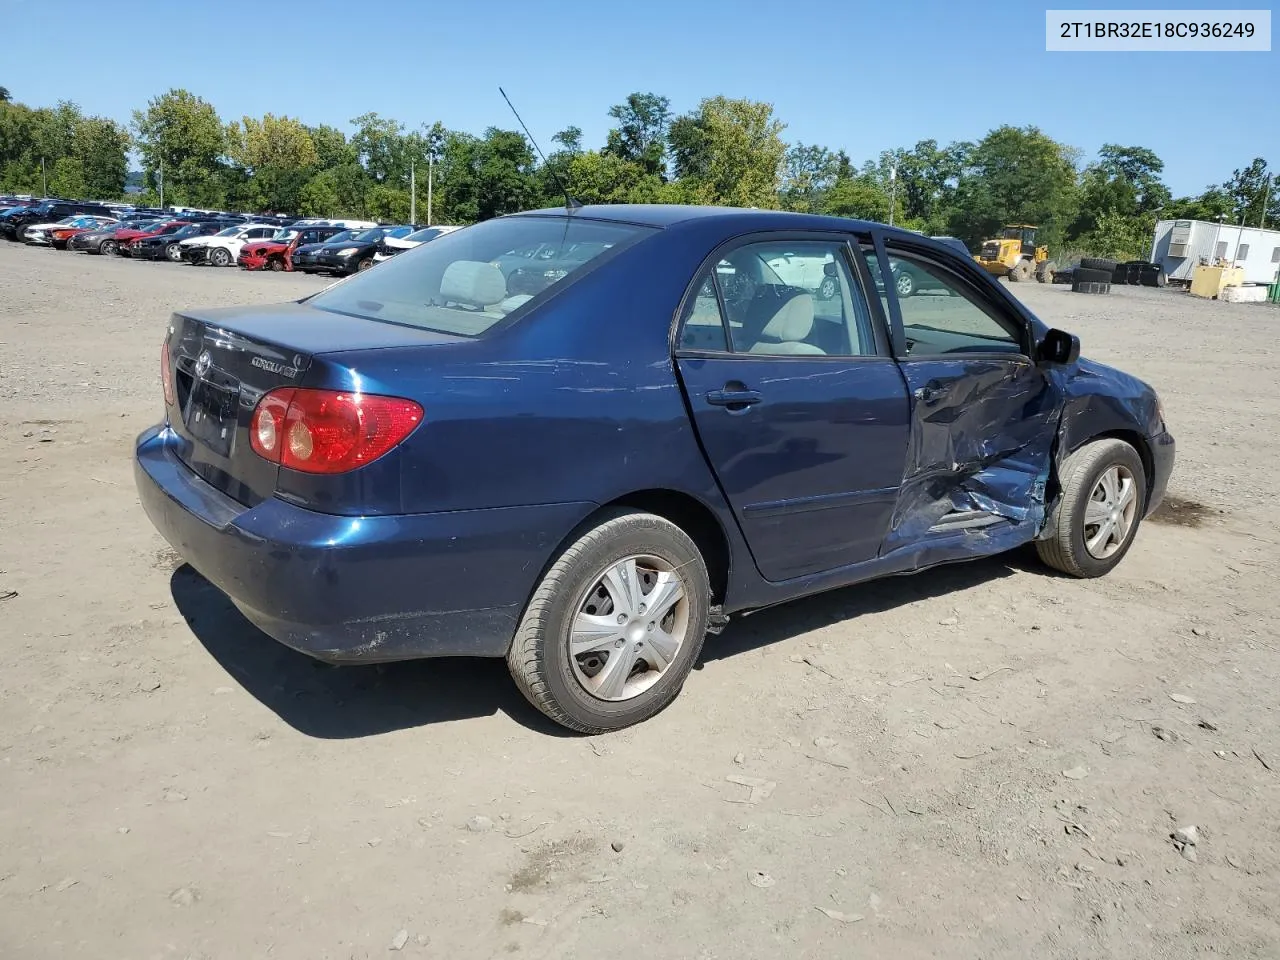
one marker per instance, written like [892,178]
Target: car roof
[745,219]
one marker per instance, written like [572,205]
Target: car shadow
[747,633]
[349,702]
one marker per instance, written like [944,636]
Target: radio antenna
[570,204]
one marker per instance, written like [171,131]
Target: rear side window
[781,298]
[468,280]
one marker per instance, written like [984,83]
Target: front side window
[466,281]
[942,314]
[781,298]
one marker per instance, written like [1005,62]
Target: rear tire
[277,265]
[1073,524]
[107,247]
[571,592]
[1098,263]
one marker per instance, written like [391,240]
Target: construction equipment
[1014,254]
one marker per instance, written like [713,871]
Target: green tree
[1249,189]
[729,152]
[809,173]
[5,96]
[67,178]
[336,192]
[607,178]
[331,146]
[272,142]
[1124,182]
[1015,175]
[183,134]
[102,147]
[862,196]
[641,133]
[569,139]
[382,147]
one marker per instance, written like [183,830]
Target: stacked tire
[1143,273]
[1094,275]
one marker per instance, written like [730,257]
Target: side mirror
[1058,346]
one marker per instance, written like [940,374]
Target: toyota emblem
[203,362]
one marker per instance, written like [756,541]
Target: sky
[859,76]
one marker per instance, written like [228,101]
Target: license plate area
[210,412]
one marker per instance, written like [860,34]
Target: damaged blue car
[587,461]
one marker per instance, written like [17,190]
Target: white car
[393,245]
[38,233]
[223,247]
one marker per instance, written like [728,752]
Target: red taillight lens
[328,431]
[166,374]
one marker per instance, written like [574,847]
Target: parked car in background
[303,257]
[130,242]
[167,246]
[390,246]
[277,253]
[756,446]
[221,249]
[105,241]
[355,254]
[60,237]
[18,219]
[41,234]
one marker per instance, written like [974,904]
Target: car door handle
[740,398]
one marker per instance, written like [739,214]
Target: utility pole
[1213,254]
[44,180]
[1266,195]
[431,164]
[893,191]
[161,184]
[413,194]
[1239,236]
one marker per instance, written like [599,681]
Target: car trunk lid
[222,363]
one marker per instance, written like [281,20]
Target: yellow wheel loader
[1014,254]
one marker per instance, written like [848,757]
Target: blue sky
[862,76]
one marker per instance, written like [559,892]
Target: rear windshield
[468,280]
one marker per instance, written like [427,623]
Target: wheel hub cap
[1111,512]
[630,626]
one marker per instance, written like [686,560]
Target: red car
[156,228]
[277,253]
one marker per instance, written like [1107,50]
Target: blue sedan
[583,439]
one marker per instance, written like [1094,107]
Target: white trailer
[1179,245]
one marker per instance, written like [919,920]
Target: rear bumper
[356,589]
[1162,450]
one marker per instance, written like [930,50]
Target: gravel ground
[982,760]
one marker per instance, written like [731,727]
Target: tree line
[725,151]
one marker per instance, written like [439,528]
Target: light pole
[893,191]
[413,193]
[161,184]
[1213,259]
[431,163]
[44,180]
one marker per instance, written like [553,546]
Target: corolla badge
[203,362]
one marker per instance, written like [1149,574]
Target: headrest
[792,321]
[473,282]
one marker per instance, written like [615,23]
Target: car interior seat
[787,326]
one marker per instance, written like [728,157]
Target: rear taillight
[166,374]
[328,431]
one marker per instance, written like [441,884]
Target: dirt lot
[983,760]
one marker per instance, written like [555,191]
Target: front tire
[107,247]
[220,257]
[1104,494]
[615,625]
[173,253]
[364,264]
[905,284]
[827,289]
